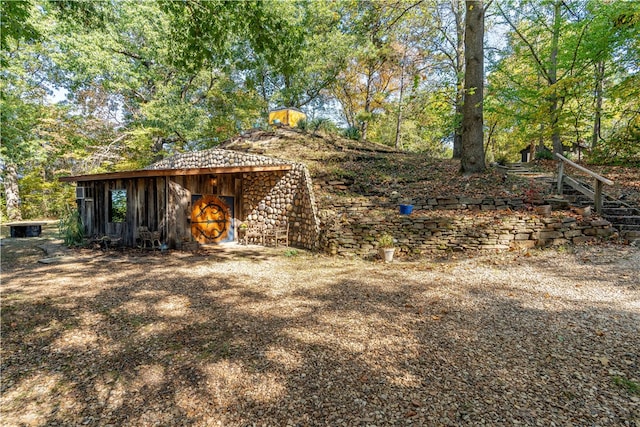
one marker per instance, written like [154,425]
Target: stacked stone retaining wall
[354,228]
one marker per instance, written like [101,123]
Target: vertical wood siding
[159,203]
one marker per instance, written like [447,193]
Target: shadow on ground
[244,336]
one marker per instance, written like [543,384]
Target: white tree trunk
[12,193]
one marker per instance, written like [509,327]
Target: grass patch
[290,253]
[631,386]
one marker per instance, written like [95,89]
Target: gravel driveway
[277,338]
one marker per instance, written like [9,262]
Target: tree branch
[404,12]
[544,71]
[132,55]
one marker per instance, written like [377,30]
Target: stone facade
[279,198]
[352,226]
[215,157]
[273,199]
[354,229]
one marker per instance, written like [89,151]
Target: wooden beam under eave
[149,173]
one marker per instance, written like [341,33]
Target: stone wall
[273,199]
[276,199]
[215,157]
[354,230]
[426,203]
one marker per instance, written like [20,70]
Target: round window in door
[210,220]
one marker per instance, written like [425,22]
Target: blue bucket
[406,209]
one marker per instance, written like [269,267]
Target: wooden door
[210,220]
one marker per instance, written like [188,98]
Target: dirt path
[266,337]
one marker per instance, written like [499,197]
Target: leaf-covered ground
[367,169]
[253,336]
[626,180]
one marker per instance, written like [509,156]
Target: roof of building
[286,108]
[215,158]
[211,161]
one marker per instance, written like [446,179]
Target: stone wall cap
[215,157]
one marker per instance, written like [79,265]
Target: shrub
[302,124]
[321,123]
[71,229]
[502,160]
[385,240]
[544,155]
[291,253]
[352,132]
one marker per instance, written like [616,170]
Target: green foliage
[302,124]
[544,155]
[502,160]
[426,128]
[71,229]
[385,241]
[352,132]
[524,82]
[631,386]
[291,253]
[118,206]
[44,198]
[15,25]
[322,124]
[318,124]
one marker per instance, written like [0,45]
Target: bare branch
[404,12]
[543,69]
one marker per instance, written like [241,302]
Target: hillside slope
[343,168]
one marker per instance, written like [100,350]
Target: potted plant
[242,229]
[386,248]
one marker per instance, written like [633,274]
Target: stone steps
[617,211]
[522,170]
[630,227]
[623,217]
[623,220]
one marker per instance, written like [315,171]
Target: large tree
[472,158]
[558,57]
[546,34]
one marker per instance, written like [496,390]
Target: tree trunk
[472,159]
[12,193]
[457,131]
[459,69]
[367,104]
[553,79]
[597,119]
[399,121]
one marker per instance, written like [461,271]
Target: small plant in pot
[386,247]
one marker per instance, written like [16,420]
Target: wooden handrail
[597,194]
[585,170]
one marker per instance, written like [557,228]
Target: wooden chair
[282,235]
[152,237]
[255,232]
[277,235]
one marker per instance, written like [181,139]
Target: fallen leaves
[488,340]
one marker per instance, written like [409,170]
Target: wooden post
[560,176]
[597,197]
